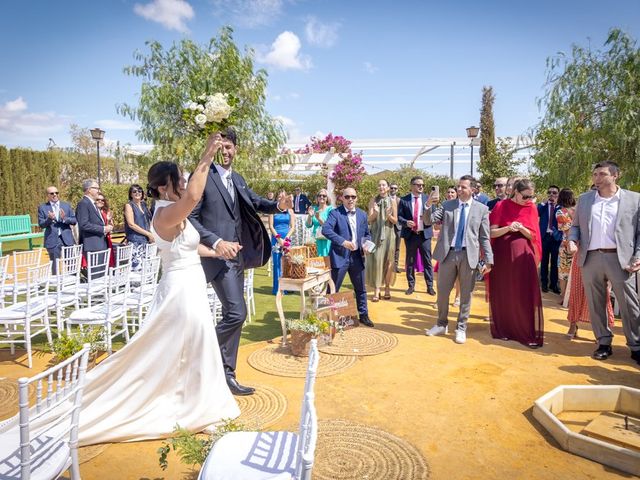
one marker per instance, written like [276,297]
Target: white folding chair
[150,251]
[123,254]
[248,294]
[30,317]
[96,284]
[30,451]
[22,262]
[269,455]
[140,297]
[71,251]
[66,285]
[214,304]
[4,273]
[114,309]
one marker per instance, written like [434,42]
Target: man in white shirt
[607,227]
[464,232]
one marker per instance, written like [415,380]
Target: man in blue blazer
[347,229]
[301,202]
[56,218]
[551,241]
[417,236]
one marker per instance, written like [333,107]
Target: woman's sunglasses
[527,197]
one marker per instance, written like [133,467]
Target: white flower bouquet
[209,113]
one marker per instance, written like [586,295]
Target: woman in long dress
[281,225]
[171,372]
[514,293]
[383,215]
[316,216]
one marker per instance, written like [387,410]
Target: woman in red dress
[514,296]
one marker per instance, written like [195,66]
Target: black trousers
[549,264]
[396,255]
[415,243]
[229,287]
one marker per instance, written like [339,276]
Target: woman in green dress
[383,215]
[316,216]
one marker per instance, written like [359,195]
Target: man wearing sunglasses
[417,236]
[56,217]
[500,186]
[551,241]
[347,229]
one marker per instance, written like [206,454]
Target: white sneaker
[456,302]
[461,336]
[436,330]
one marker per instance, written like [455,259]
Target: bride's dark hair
[159,175]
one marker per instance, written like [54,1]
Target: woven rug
[350,451]
[9,397]
[278,360]
[361,341]
[262,409]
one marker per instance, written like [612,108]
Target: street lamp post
[98,135]
[472,133]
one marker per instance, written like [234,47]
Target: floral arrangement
[284,248]
[310,323]
[209,113]
[297,259]
[66,345]
[324,145]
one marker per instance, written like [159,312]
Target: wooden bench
[17,227]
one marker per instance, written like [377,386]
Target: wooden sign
[341,308]
[318,262]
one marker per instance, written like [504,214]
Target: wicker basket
[293,270]
[300,343]
[312,250]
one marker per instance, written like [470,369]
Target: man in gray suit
[464,232]
[607,227]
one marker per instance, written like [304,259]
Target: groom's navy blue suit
[337,229]
[215,217]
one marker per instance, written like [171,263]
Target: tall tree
[171,78]
[487,125]
[591,110]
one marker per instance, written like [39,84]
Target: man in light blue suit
[56,218]
[347,229]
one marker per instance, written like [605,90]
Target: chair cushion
[18,310]
[97,313]
[252,456]
[48,466]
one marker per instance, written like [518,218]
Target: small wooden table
[300,285]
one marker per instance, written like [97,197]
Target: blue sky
[362,69]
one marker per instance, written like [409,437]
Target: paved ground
[466,407]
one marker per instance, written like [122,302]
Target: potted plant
[68,344]
[303,330]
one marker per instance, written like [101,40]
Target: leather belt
[605,250]
[453,248]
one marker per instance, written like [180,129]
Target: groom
[227,221]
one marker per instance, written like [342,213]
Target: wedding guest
[464,231]
[514,293]
[56,217]
[564,215]
[300,202]
[316,216]
[281,226]
[607,227]
[271,196]
[509,187]
[551,240]
[226,219]
[93,228]
[397,228]
[347,229]
[416,236]
[107,216]
[452,194]
[479,195]
[500,186]
[382,216]
[137,224]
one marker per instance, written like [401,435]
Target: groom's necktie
[460,231]
[230,189]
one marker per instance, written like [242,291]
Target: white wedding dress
[171,372]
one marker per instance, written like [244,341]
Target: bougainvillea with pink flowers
[324,145]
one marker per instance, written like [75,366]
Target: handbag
[319,235]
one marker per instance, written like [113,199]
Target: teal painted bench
[17,227]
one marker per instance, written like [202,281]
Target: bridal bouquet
[209,113]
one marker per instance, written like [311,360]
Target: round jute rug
[350,451]
[92,451]
[262,409]
[361,341]
[9,397]
[278,360]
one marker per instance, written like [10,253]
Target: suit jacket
[405,214]
[543,213]
[217,216]
[482,198]
[91,226]
[627,229]
[51,226]
[477,233]
[337,230]
[303,203]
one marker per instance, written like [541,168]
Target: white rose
[201,119]
[193,106]
[200,108]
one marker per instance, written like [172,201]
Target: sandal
[387,295]
[375,298]
[573,331]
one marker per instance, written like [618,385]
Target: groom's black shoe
[603,352]
[364,320]
[238,389]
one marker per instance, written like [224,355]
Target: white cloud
[172,14]
[294,134]
[108,124]
[249,13]
[16,120]
[370,68]
[321,34]
[285,53]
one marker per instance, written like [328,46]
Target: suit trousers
[229,287]
[598,268]
[356,275]
[396,255]
[550,252]
[54,254]
[415,243]
[455,265]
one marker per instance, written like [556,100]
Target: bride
[171,372]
